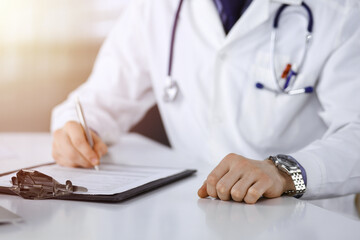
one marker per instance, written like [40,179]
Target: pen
[82,120]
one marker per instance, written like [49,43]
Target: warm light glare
[47,48]
[56,20]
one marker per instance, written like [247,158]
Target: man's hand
[71,149]
[242,179]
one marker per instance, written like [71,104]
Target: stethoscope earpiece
[259,85]
[308,89]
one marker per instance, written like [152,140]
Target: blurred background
[47,48]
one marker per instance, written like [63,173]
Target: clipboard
[172,176]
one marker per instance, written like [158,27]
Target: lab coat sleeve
[118,92]
[333,162]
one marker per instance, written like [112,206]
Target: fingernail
[94,161]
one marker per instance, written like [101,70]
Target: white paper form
[111,179]
[8,217]
[6,153]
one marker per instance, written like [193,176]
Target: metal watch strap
[298,183]
[296,176]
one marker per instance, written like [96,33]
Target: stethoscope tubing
[171,84]
[290,79]
[171,88]
[173,37]
[284,6]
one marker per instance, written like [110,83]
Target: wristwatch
[288,165]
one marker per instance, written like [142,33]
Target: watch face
[287,161]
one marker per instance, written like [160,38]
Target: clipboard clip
[31,184]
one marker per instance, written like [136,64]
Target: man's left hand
[242,179]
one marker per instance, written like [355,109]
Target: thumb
[202,192]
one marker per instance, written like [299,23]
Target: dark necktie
[230,11]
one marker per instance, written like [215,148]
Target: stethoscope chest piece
[171,90]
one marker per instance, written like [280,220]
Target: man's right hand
[71,149]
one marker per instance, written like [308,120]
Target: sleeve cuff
[315,173]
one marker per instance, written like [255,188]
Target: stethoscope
[289,75]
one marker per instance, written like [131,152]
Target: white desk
[170,212]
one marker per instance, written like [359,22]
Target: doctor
[268,93]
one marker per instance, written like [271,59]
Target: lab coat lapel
[207,21]
[257,13]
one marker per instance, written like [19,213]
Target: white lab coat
[219,110]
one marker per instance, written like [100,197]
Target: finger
[99,146]
[202,192]
[225,184]
[79,141]
[59,140]
[215,175]
[57,137]
[78,162]
[62,161]
[238,191]
[212,181]
[67,155]
[256,191]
